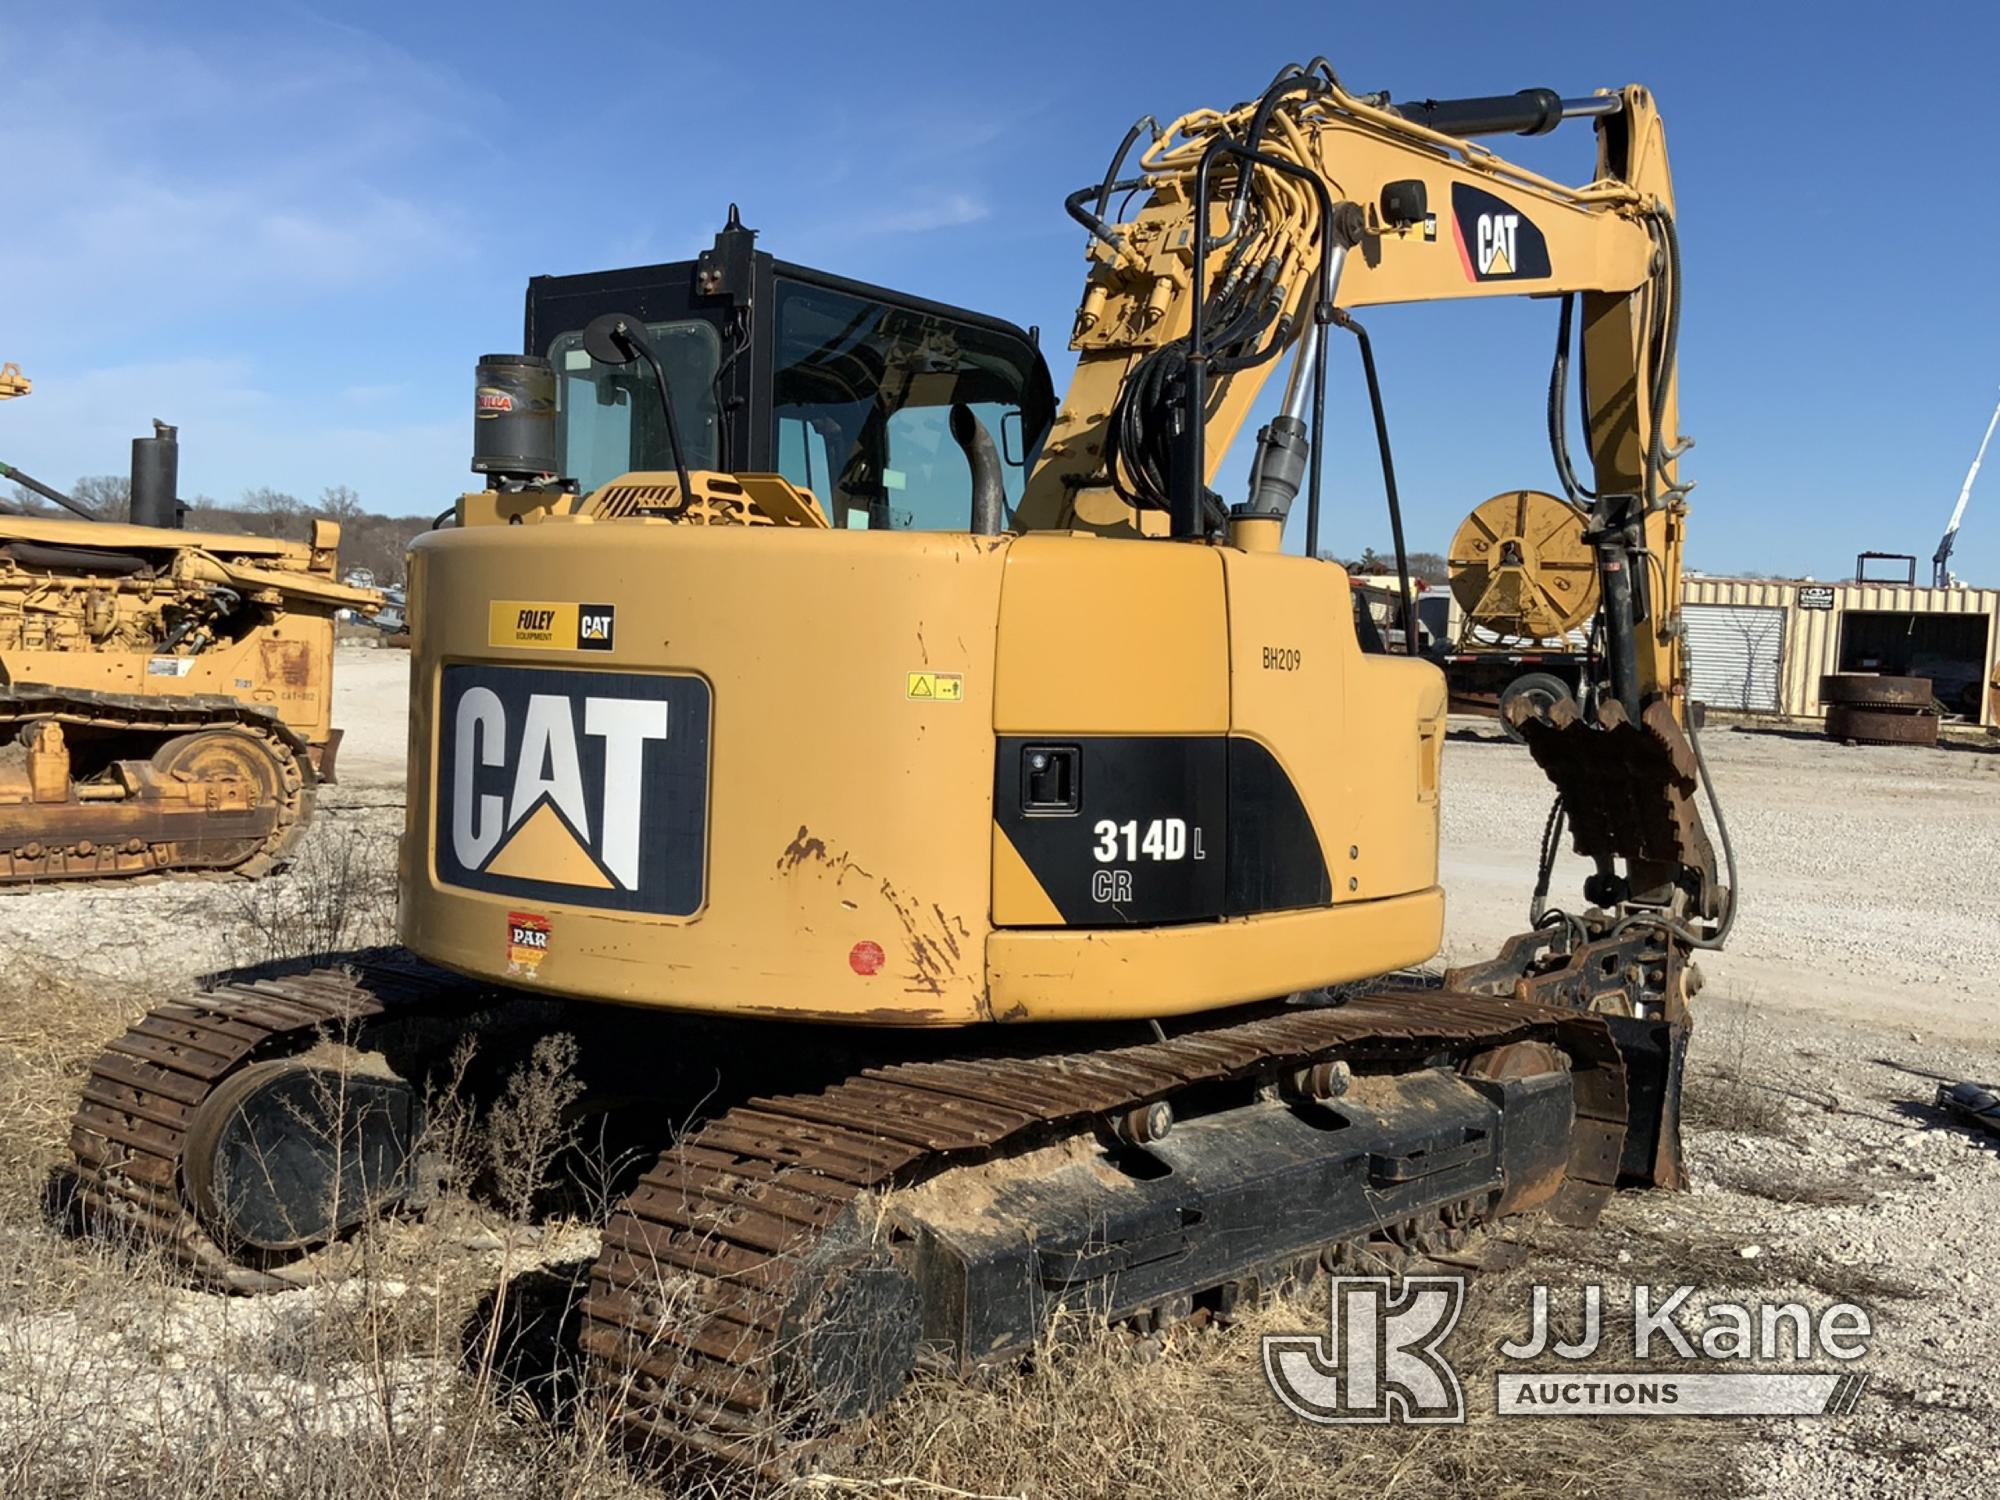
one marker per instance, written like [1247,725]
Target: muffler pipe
[156,469]
[989,495]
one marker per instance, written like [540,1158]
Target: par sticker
[936,687]
[527,943]
[540,625]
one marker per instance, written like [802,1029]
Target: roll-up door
[1735,651]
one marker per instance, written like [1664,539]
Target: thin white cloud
[949,211]
[150,179]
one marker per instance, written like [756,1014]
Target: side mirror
[1011,447]
[617,339]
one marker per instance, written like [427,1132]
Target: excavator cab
[1029,771]
[843,388]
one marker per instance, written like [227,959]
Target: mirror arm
[645,348]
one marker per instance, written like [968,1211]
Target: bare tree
[270,512]
[103,496]
[1431,567]
[106,496]
[339,503]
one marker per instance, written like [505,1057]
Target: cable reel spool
[1520,567]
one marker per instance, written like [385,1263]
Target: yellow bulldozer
[166,696]
[973,855]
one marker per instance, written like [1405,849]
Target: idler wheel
[285,1156]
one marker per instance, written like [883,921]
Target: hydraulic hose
[1404,597]
[1576,491]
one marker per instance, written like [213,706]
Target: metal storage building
[1761,645]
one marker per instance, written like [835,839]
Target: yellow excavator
[969,851]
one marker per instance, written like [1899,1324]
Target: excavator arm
[1258,230]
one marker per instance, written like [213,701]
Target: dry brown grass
[1099,1414]
[438,1370]
[118,1380]
[1726,1087]
[50,1028]
[338,894]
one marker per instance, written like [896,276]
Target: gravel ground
[1865,967]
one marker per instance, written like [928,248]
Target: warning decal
[937,687]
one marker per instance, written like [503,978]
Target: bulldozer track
[706,1273]
[164,718]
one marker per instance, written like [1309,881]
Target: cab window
[862,400]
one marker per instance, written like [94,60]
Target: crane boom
[1941,559]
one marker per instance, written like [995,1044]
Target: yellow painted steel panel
[1099,636]
[1157,971]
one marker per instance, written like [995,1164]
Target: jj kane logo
[1496,241]
[587,788]
[1382,1358]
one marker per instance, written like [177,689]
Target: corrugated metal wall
[1812,636]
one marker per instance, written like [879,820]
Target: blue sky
[293,228]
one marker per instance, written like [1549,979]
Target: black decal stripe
[1247,844]
[1275,860]
[1134,779]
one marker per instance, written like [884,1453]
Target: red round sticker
[865,957]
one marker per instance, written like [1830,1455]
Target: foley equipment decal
[542,625]
[575,787]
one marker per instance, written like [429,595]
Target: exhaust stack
[156,474]
[989,492]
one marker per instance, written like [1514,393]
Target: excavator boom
[1259,229]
